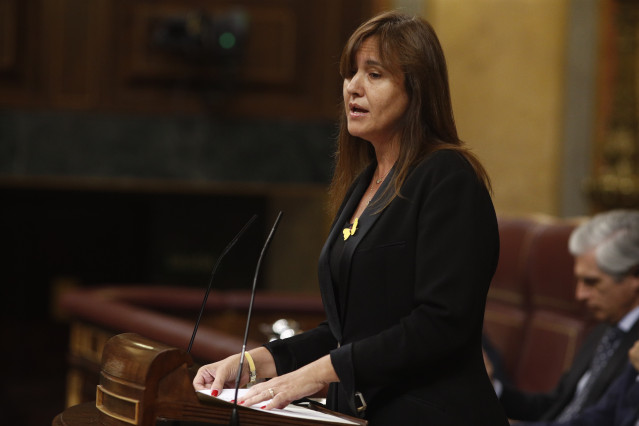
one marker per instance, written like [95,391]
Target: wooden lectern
[142,381]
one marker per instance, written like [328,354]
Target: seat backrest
[549,270]
[549,345]
[557,322]
[504,327]
[508,285]
[532,316]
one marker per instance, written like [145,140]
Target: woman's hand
[223,373]
[302,382]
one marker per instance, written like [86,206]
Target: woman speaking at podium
[407,264]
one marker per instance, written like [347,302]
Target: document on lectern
[291,410]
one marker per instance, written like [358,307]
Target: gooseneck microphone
[208,290]
[234,415]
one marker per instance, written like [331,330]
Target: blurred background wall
[137,137]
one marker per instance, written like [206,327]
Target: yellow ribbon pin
[350,231]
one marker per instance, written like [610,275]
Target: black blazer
[547,406]
[409,338]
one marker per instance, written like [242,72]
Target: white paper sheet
[290,411]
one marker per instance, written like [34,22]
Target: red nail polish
[232,401]
[215,392]
[241,402]
[263,407]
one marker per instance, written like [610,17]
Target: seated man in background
[619,406]
[606,251]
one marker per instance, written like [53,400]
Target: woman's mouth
[357,110]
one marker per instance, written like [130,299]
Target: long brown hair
[410,45]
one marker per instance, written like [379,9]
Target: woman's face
[375,98]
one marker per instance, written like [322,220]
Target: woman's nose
[353,86]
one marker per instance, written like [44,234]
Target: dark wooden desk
[83,414]
[146,383]
[87,414]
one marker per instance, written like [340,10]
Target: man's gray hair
[614,235]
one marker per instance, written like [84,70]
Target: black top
[341,289]
[409,337]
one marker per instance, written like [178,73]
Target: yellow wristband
[252,372]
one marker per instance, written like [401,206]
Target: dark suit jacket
[619,406]
[547,406]
[409,334]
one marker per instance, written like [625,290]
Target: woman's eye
[374,74]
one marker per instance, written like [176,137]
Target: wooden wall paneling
[20,63]
[100,55]
[271,60]
[75,40]
[289,67]
[8,33]
[312,86]
[270,51]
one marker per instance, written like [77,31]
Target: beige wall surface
[506,66]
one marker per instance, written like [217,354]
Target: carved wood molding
[615,179]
